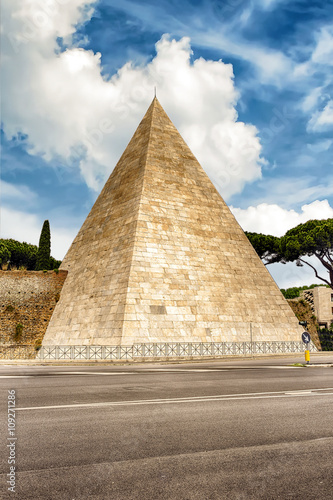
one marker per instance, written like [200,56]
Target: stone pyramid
[160,258]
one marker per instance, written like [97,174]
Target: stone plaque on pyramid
[160,258]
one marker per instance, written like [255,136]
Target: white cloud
[320,146]
[323,53]
[20,225]
[275,220]
[292,191]
[312,99]
[322,120]
[27,227]
[269,4]
[69,110]
[273,66]
[212,27]
[318,102]
[40,22]
[16,192]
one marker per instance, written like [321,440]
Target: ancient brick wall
[27,298]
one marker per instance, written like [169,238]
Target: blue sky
[249,84]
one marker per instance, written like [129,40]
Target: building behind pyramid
[160,258]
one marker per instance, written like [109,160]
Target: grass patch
[298,364]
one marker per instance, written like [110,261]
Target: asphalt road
[254,429]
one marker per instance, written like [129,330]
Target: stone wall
[303,312]
[320,299]
[27,298]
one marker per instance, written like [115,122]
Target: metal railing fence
[171,349]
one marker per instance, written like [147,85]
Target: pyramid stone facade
[160,258]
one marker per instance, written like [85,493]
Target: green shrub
[38,345]
[326,339]
[18,332]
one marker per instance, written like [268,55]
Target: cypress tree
[44,248]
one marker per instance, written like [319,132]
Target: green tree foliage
[313,238]
[44,248]
[21,254]
[266,246]
[290,293]
[4,254]
[294,292]
[54,263]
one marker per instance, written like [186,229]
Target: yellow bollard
[307,356]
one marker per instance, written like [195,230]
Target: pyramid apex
[155,101]
[156,116]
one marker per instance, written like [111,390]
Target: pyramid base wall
[135,333]
[212,332]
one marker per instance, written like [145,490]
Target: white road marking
[179,370]
[295,393]
[55,373]
[170,370]
[94,373]
[196,399]
[279,367]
